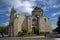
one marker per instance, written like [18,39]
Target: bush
[31,33]
[24,30]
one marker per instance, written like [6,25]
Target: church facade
[37,22]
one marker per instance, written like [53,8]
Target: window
[34,22]
[45,19]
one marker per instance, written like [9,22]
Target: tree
[24,30]
[58,24]
[3,30]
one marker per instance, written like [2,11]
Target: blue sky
[51,9]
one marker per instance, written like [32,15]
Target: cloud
[56,6]
[22,6]
[6,23]
[45,9]
[8,14]
[54,26]
[26,6]
[57,13]
[48,4]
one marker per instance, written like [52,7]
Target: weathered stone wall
[41,24]
[21,21]
[44,24]
[48,25]
[15,27]
[29,23]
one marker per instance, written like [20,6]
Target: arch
[34,30]
[34,22]
[45,19]
[34,19]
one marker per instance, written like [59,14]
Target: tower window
[45,19]
[34,19]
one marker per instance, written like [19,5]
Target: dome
[38,9]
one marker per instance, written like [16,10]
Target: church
[37,22]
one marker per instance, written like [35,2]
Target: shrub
[24,30]
[31,33]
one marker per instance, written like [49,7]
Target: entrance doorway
[34,30]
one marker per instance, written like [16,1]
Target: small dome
[38,8]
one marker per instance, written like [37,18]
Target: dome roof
[37,8]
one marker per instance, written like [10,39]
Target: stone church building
[37,22]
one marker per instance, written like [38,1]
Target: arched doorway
[34,30]
[35,26]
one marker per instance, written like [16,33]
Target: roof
[37,8]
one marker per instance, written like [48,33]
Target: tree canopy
[4,30]
[58,24]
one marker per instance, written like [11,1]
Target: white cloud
[44,8]
[6,23]
[49,4]
[14,3]
[8,14]
[57,13]
[28,10]
[22,6]
[25,6]
[56,6]
[54,26]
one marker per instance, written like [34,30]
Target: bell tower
[13,12]
[11,23]
[37,12]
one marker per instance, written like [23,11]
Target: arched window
[34,21]
[45,19]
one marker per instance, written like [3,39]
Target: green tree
[3,30]
[58,24]
[24,30]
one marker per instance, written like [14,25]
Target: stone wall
[21,22]
[29,24]
[44,24]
